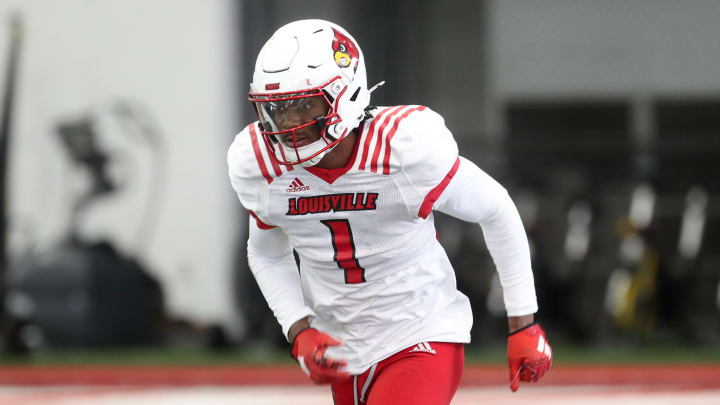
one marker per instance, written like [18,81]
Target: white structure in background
[612,48]
[175,57]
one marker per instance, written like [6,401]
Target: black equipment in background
[79,140]
[84,293]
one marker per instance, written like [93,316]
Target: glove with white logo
[309,349]
[529,355]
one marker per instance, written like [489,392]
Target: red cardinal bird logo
[346,52]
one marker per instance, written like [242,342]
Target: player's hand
[309,350]
[529,355]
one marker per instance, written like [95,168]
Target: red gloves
[309,350]
[529,355]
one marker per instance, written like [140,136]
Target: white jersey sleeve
[474,196]
[428,158]
[273,265]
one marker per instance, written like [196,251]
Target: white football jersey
[371,266]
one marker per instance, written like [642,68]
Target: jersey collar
[330,175]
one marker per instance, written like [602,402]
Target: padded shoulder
[422,139]
[426,153]
[245,172]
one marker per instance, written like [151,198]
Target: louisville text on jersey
[317,204]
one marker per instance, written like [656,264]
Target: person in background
[373,308]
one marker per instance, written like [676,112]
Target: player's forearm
[275,271]
[506,240]
[280,285]
[298,327]
[518,322]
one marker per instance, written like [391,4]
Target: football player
[373,308]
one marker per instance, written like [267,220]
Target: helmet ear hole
[329,97]
[354,96]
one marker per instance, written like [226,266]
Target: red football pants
[423,374]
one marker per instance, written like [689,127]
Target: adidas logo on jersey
[423,347]
[296,186]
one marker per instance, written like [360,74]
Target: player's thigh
[420,379]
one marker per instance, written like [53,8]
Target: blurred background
[119,227]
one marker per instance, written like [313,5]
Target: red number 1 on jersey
[342,241]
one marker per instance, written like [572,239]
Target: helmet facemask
[290,122]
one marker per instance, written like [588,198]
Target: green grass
[563,354]
[151,356]
[655,353]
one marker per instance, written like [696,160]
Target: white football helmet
[304,59]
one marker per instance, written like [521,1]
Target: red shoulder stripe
[386,160]
[378,144]
[258,154]
[368,138]
[435,193]
[260,224]
[275,165]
